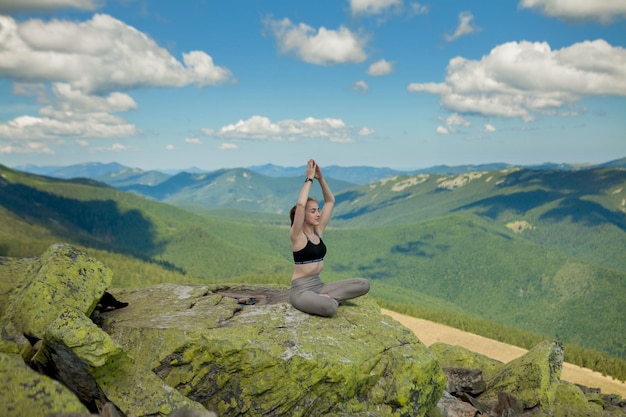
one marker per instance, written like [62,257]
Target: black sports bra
[311,252]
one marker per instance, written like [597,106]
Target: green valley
[518,255]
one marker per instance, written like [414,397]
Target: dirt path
[429,332]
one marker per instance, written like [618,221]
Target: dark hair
[292,212]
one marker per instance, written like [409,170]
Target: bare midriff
[307,270]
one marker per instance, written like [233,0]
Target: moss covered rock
[62,278]
[453,356]
[51,302]
[240,350]
[532,379]
[24,392]
[246,351]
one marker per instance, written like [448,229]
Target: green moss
[453,356]
[253,360]
[25,393]
[63,277]
[531,379]
[570,401]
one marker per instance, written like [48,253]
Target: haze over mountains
[116,174]
[264,188]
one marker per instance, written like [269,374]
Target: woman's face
[312,213]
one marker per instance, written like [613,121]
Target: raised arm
[329,200]
[298,220]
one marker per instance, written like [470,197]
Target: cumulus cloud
[193,141]
[73,114]
[25,147]
[320,47]
[366,131]
[386,8]
[465,27]
[170,147]
[96,56]
[605,11]
[228,146]
[361,87]
[451,123]
[262,128]
[521,79]
[380,68]
[9,6]
[456,120]
[442,130]
[116,147]
[372,7]
[78,71]
[489,128]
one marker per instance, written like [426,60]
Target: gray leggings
[305,294]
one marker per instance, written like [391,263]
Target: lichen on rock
[239,350]
[266,358]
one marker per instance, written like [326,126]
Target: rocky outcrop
[527,386]
[71,346]
[236,350]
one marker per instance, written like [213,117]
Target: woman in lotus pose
[308,293]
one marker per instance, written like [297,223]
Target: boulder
[24,392]
[531,380]
[182,350]
[528,382]
[63,278]
[50,304]
[244,350]
[528,385]
[457,357]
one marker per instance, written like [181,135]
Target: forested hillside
[461,249]
[580,213]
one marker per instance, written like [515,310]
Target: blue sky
[388,83]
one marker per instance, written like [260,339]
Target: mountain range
[535,250]
[264,188]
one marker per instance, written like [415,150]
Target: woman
[308,293]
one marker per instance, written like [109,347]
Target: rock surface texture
[527,386]
[183,350]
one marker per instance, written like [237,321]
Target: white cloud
[604,11]
[88,125]
[465,26]
[371,7]
[84,66]
[360,86]
[380,68]
[320,47]
[228,146]
[73,114]
[489,128]
[451,122]
[262,128]
[81,142]
[366,131]
[116,147]
[525,78]
[25,147]
[456,120]
[8,6]
[170,147]
[417,9]
[194,141]
[433,88]
[99,55]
